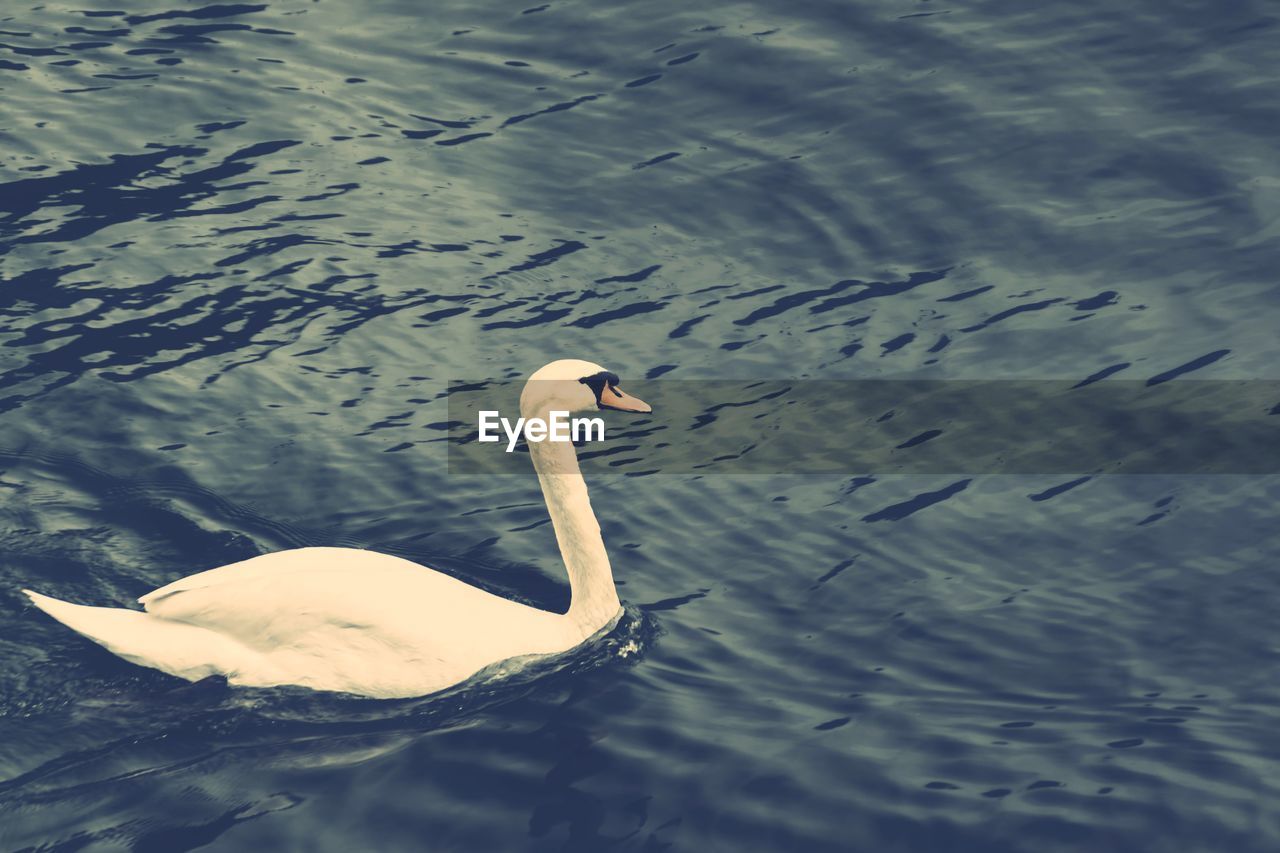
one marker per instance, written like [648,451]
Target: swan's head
[573,385]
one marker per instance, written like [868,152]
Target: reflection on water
[244,248]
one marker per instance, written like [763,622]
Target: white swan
[360,622]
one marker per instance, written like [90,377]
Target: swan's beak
[611,397]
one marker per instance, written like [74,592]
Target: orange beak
[611,397]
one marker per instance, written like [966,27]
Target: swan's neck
[594,603]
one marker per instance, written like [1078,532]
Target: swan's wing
[288,599]
[294,560]
[358,621]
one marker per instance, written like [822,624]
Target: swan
[370,624]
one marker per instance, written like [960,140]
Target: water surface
[245,246]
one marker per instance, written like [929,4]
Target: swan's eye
[597,382]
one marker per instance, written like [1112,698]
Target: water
[246,246]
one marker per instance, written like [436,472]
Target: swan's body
[326,618]
[360,622]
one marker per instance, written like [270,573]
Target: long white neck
[594,602]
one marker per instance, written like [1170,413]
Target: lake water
[246,247]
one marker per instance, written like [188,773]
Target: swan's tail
[187,651]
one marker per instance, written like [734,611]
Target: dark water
[246,246]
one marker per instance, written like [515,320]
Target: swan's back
[313,559]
